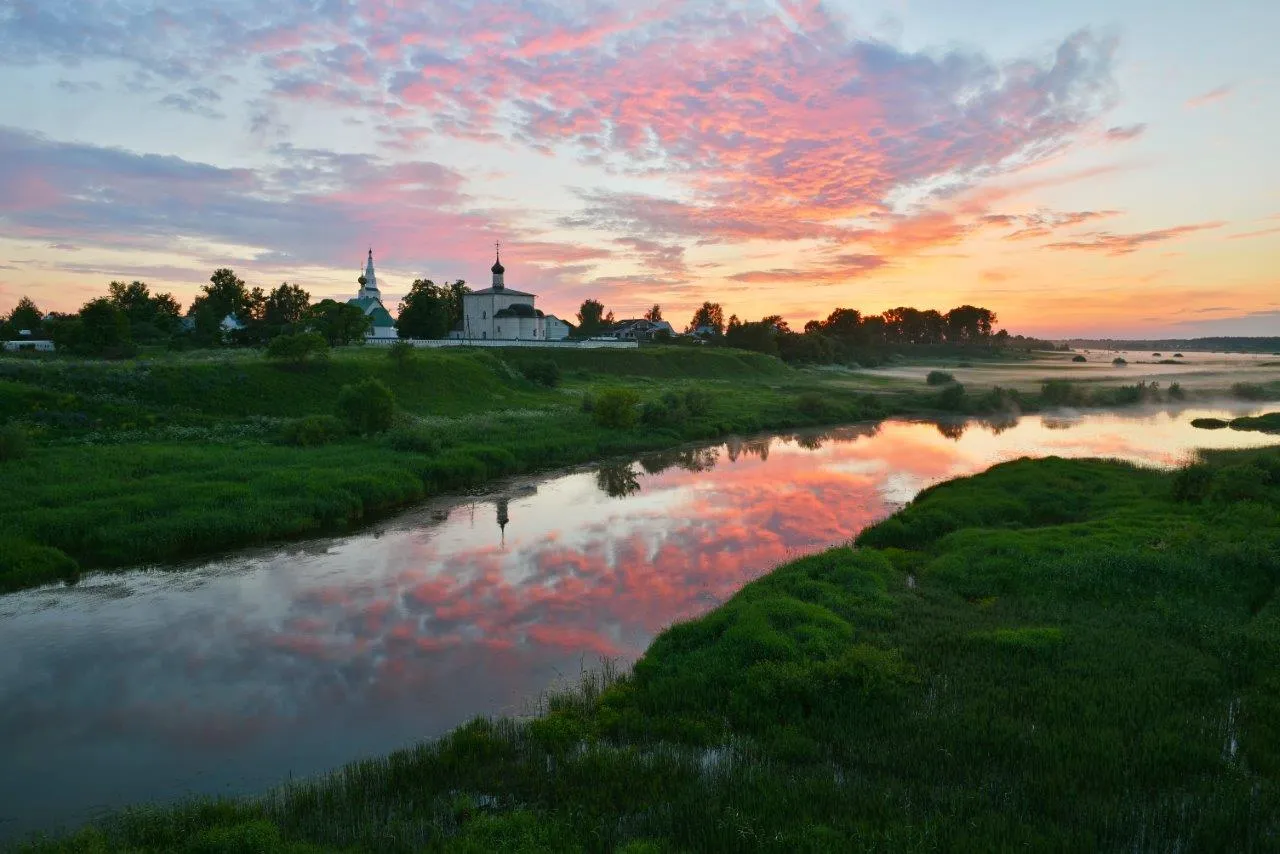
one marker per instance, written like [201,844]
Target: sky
[1093,167]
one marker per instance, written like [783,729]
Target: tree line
[845,335]
[113,326]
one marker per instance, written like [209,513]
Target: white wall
[591,344]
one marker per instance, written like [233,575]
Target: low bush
[415,440]
[402,354]
[544,372]
[367,406]
[939,378]
[1062,393]
[675,408]
[298,350]
[1078,358]
[951,399]
[1191,483]
[1176,392]
[1248,391]
[617,408]
[1209,423]
[813,404]
[312,430]
[1119,361]
[13,442]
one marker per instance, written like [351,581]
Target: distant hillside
[1220,345]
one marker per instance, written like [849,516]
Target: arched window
[484,334]
[484,315]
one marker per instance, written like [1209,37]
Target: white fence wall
[590,344]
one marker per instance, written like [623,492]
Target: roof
[508,291]
[520,309]
[373,307]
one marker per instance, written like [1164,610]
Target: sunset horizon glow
[1082,169]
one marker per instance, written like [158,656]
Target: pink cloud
[1211,97]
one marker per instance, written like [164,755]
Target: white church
[369,299]
[502,313]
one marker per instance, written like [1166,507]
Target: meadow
[170,456]
[1054,655]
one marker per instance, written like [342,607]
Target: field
[1054,655]
[167,457]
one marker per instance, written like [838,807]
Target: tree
[760,336]
[286,308]
[969,324]
[225,294]
[24,317]
[709,315]
[297,350]
[426,311]
[654,314]
[339,322]
[592,319]
[367,406]
[151,316]
[100,329]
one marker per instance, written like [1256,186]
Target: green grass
[1052,655]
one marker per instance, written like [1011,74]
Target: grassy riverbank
[151,460]
[1055,655]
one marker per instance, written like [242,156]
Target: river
[228,676]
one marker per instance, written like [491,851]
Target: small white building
[36,344]
[557,329]
[500,313]
[369,299]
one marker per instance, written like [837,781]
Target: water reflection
[231,675]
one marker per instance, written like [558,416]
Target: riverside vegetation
[1051,655]
[110,464]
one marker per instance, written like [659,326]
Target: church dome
[498,268]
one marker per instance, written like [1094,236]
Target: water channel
[231,675]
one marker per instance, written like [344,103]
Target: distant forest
[1224,344]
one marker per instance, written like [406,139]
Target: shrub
[1239,482]
[939,378]
[675,408]
[617,408]
[1208,423]
[544,372]
[415,440]
[951,399]
[1191,483]
[1176,392]
[1119,360]
[367,406]
[1061,393]
[1078,358]
[1248,391]
[312,430]
[812,404]
[13,442]
[401,353]
[1177,355]
[298,349]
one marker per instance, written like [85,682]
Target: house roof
[508,291]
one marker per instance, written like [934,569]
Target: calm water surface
[230,676]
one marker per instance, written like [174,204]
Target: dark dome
[498,268]
[518,310]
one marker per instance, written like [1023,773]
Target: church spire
[497,269]
[369,281]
